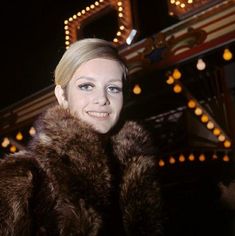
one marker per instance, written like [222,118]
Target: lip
[100,115]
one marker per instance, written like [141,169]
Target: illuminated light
[119,33]
[216,131]
[75,17]
[66,42]
[115,40]
[177,88]
[32,131]
[170,80]
[172,1]
[161,163]
[122,27]
[177,3]
[13,149]
[5,142]
[190,1]
[66,32]
[66,22]
[227,55]
[70,18]
[172,160]
[204,118]
[198,111]
[214,157]
[66,37]
[137,89]
[131,36]
[176,74]
[19,136]
[101,1]
[191,157]
[120,9]
[226,158]
[171,13]
[83,12]
[67,47]
[119,4]
[227,144]
[79,14]
[87,8]
[201,65]
[66,27]
[120,14]
[191,104]
[210,125]
[221,138]
[181,158]
[202,157]
[182,5]
[97,3]
[92,6]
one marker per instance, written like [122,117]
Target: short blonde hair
[83,51]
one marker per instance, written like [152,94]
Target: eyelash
[85,86]
[112,89]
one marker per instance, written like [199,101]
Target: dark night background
[33,40]
[32,34]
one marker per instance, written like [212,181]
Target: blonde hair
[83,51]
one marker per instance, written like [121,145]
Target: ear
[59,93]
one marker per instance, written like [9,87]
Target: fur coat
[71,181]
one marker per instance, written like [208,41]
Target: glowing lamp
[227,55]
[13,149]
[227,144]
[181,158]
[202,157]
[191,104]
[210,125]
[198,111]
[226,158]
[191,157]
[19,136]
[177,88]
[221,138]
[161,163]
[172,160]
[216,131]
[170,80]
[201,65]
[204,118]
[137,89]
[176,74]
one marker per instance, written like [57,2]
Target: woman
[84,173]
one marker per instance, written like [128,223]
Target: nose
[101,98]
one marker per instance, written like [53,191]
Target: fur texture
[68,182]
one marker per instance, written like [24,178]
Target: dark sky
[32,35]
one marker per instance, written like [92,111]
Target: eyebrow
[92,79]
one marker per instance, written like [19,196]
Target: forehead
[100,67]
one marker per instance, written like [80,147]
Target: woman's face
[95,93]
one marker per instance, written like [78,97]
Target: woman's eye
[86,87]
[114,89]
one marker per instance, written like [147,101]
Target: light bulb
[137,89]
[19,136]
[191,104]
[227,55]
[201,65]
[177,88]
[176,74]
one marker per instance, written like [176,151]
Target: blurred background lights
[227,55]
[137,89]
[201,65]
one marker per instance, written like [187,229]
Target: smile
[98,114]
